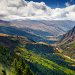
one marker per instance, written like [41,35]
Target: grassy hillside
[21,56]
[67,44]
[68,49]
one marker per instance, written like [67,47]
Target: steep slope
[67,43]
[22,56]
[5,27]
[10,62]
[44,28]
[39,31]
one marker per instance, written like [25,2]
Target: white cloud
[20,9]
[67,4]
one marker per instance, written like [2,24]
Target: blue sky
[56,3]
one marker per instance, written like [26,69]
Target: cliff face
[67,43]
[71,33]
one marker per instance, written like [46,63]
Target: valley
[37,37]
[41,59]
[40,31]
[23,52]
[67,43]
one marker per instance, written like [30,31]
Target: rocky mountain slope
[67,43]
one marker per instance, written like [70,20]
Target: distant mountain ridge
[71,32]
[6,28]
[70,35]
[44,28]
[39,31]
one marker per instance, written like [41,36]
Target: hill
[67,43]
[22,56]
[6,28]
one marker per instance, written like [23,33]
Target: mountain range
[41,31]
[36,39]
[24,52]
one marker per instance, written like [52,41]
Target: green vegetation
[67,44]
[68,49]
[15,62]
[27,58]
